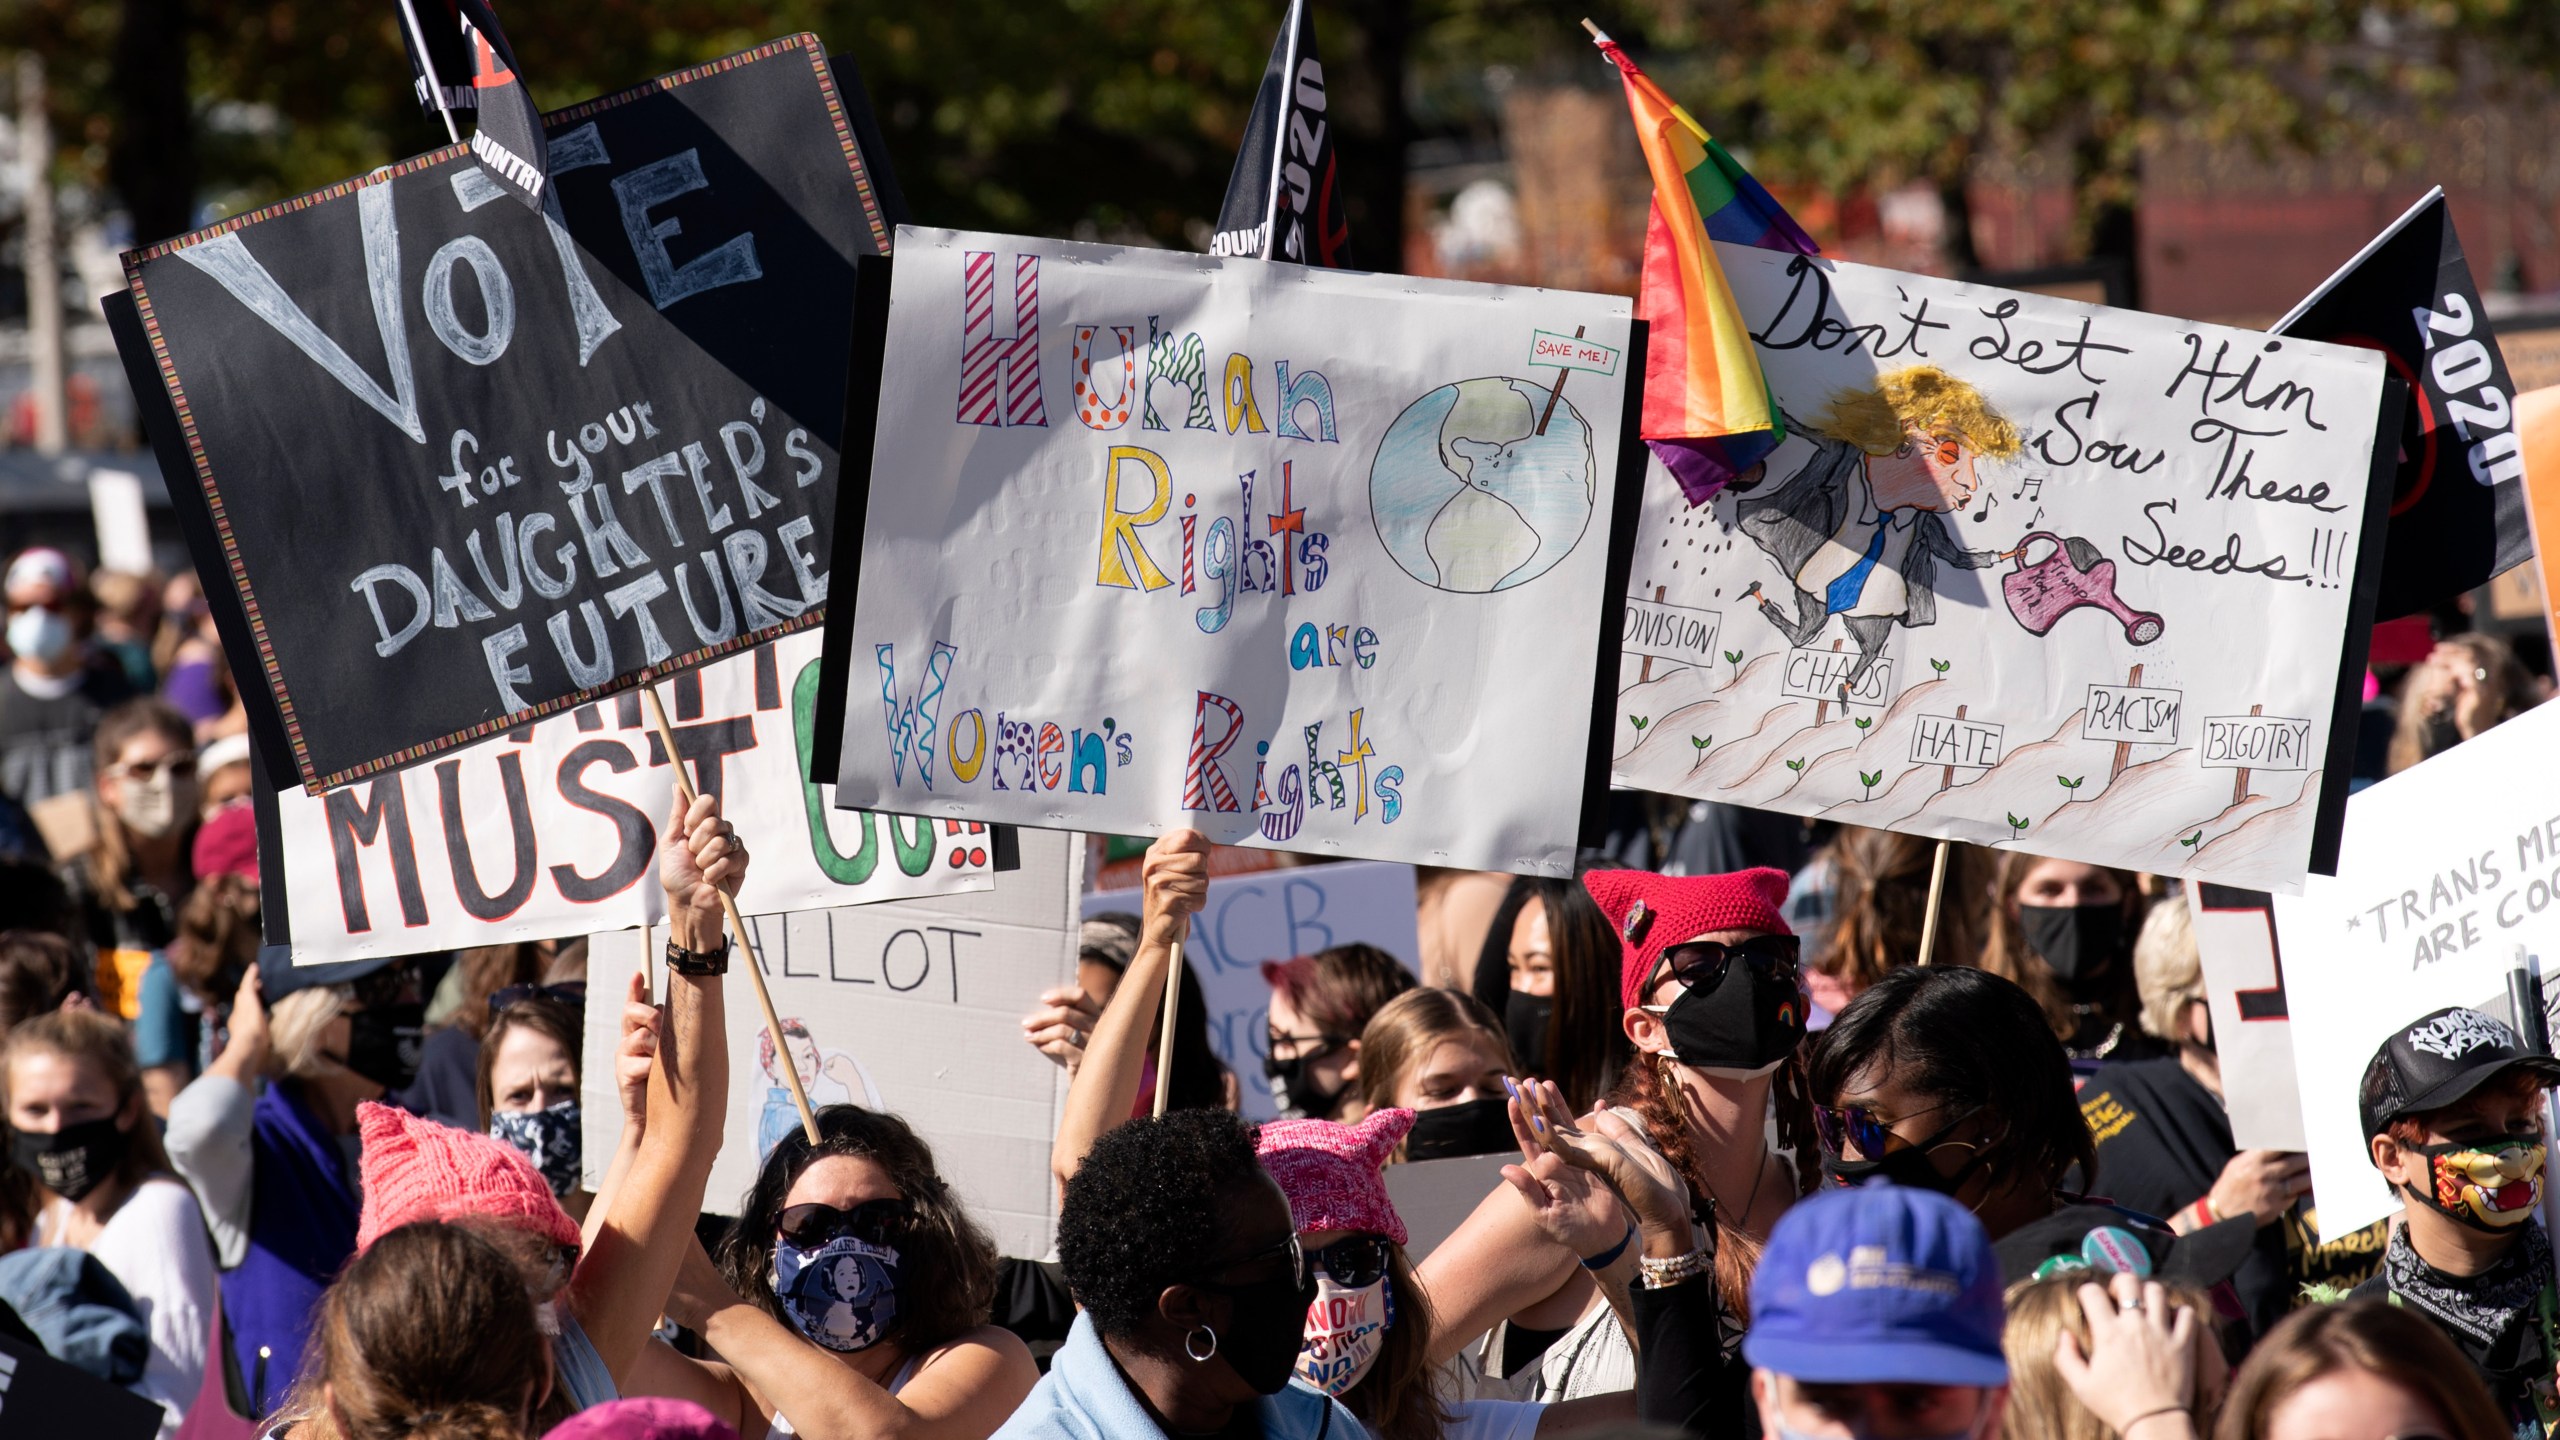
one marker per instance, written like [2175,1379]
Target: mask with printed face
[842,1295]
[1346,1328]
[2487,1185]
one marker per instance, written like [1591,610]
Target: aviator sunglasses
[1857,1125]
[874,1222]
[1702,964]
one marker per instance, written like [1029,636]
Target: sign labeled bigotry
[465,464]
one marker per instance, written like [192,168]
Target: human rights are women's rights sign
[2025,573]
[463,464]
[1301,558]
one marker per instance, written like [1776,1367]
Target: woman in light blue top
[1181,1251]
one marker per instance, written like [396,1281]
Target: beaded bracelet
[1663,1274]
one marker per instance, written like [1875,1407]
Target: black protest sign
[508,138]
[2457,507]
[42,1396]
[464,464]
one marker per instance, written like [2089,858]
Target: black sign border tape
[871,141]
[2328,828]
[1626,513]
[853,509]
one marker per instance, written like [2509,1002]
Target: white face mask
[151,805]
[1346,1328]
[39,635]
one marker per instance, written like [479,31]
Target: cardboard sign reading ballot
[1306,559]
[552,828]
[463,463]
[909,1007]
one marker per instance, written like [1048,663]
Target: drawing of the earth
[1468,497]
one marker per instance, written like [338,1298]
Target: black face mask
[75,1159]
[1908,1166]
[1294,1088]
[1751,1021]
[2079,943]
[1524,1019]
[1267,1329]
[383,1043]
[1470,1127]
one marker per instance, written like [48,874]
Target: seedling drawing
[2068,783]
[1941,666]
[1701,742]
[2190,841]
[2017,827]
[1871,781]
[1796,765]
[1639,721]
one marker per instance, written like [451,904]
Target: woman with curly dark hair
[1180,1249]
[849,1300]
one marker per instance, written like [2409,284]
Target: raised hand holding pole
[737,927]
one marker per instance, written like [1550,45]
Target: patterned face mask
[549,1138]
[842,1295]
[2490,1185]
[1345,1329]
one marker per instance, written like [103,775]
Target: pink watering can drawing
[2071,574]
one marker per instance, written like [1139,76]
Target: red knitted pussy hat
[1331,1172]
[415,1169]
[1652,913]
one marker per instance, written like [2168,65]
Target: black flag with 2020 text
[1284,198]
[2457,511]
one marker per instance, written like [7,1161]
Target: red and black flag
[2458,511]
[463,62]
[1284,201]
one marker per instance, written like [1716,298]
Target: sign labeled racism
[1987,588]
[552,828]
[2449,878]
[467,463]
[1306,559]
[909,1008]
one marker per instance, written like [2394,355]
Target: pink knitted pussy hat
[1331,1173]
[415,1169]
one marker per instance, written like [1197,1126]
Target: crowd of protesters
[1763,1173]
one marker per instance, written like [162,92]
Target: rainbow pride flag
[1708,413]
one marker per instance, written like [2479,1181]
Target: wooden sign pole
[738,926]
[1929,917]
[1164,1035]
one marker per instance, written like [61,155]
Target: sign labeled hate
[1306,559]
[1983,590]
[466,463]
[552,828]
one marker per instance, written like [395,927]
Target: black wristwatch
[701,964]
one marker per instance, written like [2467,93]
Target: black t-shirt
[44,739]
[2162,1137]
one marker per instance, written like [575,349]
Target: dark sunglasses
[1701,964]
[1288,1247]
[1857,1125]
[1355,1262]
[573,993]
[874,1222]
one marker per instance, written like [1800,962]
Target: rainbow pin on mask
[2485,1185]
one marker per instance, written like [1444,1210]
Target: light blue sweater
[1084,1397]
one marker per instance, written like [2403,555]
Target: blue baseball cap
[1879,1285]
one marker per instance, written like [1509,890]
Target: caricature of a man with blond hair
[1861,528]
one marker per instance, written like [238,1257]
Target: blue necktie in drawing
[1844,591]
